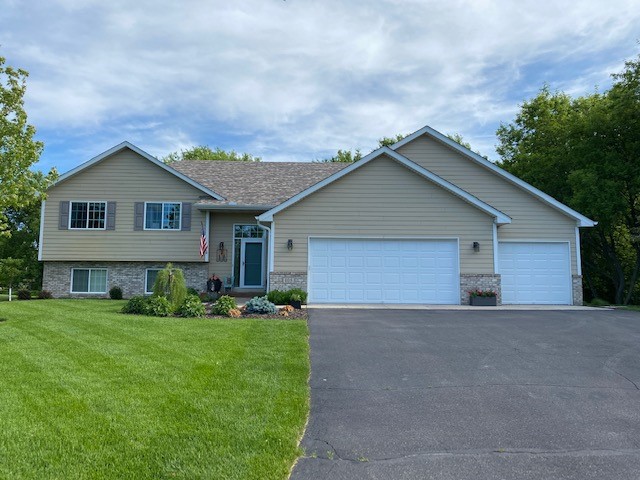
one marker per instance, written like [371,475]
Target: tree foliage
[11,271]
[21,187]
[204,152]
[170,283]
[585,152]
[348,156]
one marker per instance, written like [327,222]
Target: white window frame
[87,202]
[106,283]
[146,277]
[162,202]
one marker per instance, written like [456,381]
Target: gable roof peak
[545,198]
[128,145]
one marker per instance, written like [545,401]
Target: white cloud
[300,79]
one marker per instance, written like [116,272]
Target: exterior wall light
[476,247]
[290,244]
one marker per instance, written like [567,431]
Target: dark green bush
[45,295]
[284,298]
[115,293]
[159,306]
[136,305]
[24,294]
[192,291]
[192,307]
[599,302]
[223,305]
[260,305]
[278,297]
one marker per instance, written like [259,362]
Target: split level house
[422,221]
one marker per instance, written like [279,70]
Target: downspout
[268,253]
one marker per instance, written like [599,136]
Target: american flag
[203,241]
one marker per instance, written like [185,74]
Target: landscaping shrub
[300,292]
[24,294]
[159,307]
[223,305]
[192,291]
[45,295]
[136,305]
[171,285]
[115,293]
[235,313]
[192,307]
[280,297]
[599,302]
[260,305]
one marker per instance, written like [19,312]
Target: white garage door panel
[535,273]
[345,270]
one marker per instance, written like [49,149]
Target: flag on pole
[203,241]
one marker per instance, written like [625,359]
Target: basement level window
[89,280]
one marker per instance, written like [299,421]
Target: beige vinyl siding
[383,198]
[531,218]
[124,178]
[221,230]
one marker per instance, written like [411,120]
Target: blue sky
[297,80]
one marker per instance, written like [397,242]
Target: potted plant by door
[295,301]
[483,298]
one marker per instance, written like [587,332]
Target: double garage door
[356,270]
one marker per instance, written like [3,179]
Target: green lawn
[87,392]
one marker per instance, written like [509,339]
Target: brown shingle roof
[256,183]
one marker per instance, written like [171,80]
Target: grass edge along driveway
[87,392]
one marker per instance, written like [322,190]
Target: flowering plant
[482,293]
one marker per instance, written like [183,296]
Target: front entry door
[251,265]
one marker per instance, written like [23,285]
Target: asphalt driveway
[433,394]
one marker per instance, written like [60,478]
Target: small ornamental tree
[10,272]
[170,284]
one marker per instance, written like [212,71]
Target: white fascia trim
[41,236]
[583,221]
[500,217]
[143,154]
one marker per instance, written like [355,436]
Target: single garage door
[350,270]
[535,273]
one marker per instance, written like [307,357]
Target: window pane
[154,216]
[98,281]
[97,212]
[171,220]
[237,231]
[151,280]
[78,215]
[80,281]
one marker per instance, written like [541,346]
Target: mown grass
[89,393]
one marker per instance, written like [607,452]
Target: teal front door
[251,268]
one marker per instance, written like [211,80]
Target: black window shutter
[111,215]
[138,215]
[186,216]
[64,216]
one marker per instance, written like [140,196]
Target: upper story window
[162,215]
[88,215]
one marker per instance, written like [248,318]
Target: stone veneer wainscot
[130,276]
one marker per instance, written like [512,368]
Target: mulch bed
[294,314]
